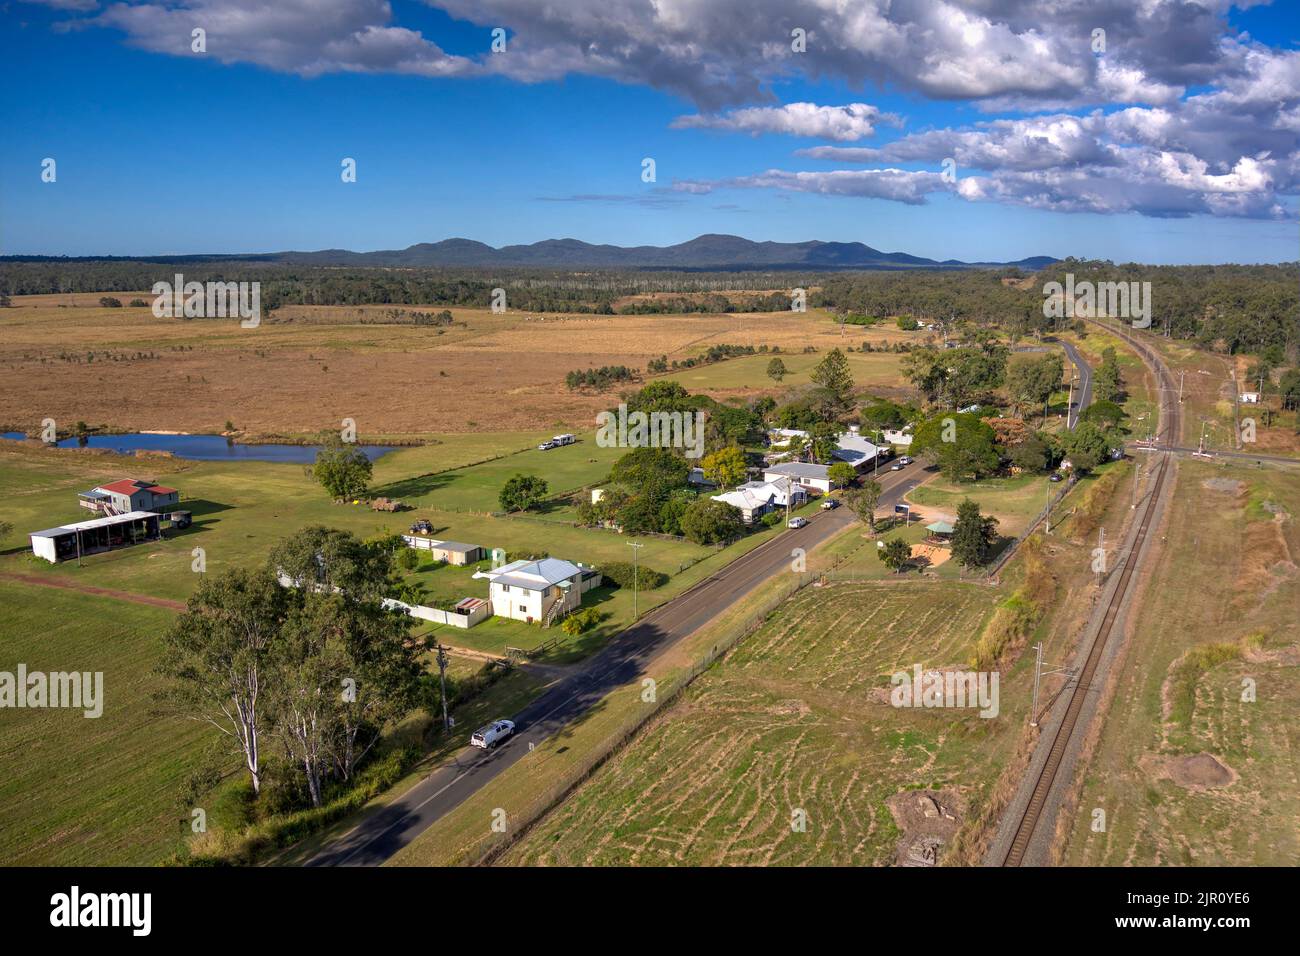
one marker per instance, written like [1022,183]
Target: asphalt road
[386,830]
[1084,392]
[1083,396]
[1239,455]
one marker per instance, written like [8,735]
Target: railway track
[1169,434]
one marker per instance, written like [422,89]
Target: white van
[491,735]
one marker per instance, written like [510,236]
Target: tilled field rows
[790,726]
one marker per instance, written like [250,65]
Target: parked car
[546,446]
[491,735]
[905,460]
[1056,476]
[896,466]
[830,504]
[796,522]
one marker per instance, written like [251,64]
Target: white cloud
[1042,142]
[725,53]
[1229,148]
[840,123]
[898,185]
[293,36]
[77,5]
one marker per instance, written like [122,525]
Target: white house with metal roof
[780,437]
[757,498]
[538,591]
[856,450]
[811,477]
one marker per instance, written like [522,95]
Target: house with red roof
[129,494]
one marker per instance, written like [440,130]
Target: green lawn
[241,509]
[90,791]
[103,791]
[476,488]
[1013,501]
[868,369]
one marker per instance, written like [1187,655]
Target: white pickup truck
[491,735]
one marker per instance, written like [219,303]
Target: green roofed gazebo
[940,527]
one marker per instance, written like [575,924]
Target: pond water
[204,447]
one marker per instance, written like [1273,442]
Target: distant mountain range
[708,252]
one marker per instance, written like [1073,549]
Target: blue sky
[239,149]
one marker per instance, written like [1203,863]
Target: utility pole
[1236,410]
[1047,529]
[442,674]
[1137,470]
[1181,373]
[636,547]
[1069,402]
[1101,545]
[1039,674]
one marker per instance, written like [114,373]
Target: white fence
[480,613]
[454,618]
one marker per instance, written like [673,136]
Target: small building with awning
[99,534]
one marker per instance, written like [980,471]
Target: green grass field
[101,790]
[1013,501]
[790,720]
[242,509]
[868,369]
[90,791]
[475,488]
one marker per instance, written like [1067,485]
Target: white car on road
[796,522]
[491,735]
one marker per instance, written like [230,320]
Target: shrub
[409,559]
[526,555]
[1016,618]
[620,574]
[580,621]
[522,492]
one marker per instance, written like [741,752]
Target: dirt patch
[1201,771]
[929,555]
[792,708]
[929,820]
[99,592]
[1266,562]
[1229,485]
